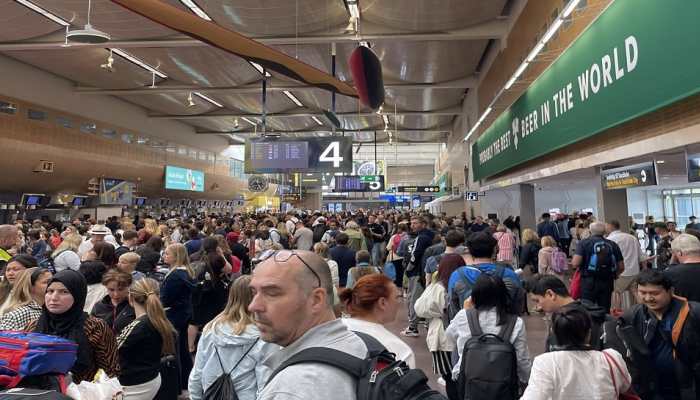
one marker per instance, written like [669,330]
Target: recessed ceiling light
[138,62]
[196,9]
[53,17]
[293,98]
[260,68]
[209,99]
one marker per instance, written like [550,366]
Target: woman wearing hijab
[62,315]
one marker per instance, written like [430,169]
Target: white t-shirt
[85,247]
[388,339]
[631,251]
[67,259]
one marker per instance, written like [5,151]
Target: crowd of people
[170,305]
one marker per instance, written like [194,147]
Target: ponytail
[145,293]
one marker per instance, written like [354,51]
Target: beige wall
[33,85]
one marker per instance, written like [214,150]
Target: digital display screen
[694,168]
[268,155]
[177,178]
[289,155]
[33,200]
[139,201]
[78,201]
[355,183]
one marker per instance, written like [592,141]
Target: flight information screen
[355,183]
[328,154]
[275,155]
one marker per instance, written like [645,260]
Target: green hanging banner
[638,56]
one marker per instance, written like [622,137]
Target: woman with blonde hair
[546,259]
[143,342]
[26,299]
[66,254]
[506,244]
[176,296]
[231,344]
[529,251]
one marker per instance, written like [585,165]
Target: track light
[109,65]
[190,101]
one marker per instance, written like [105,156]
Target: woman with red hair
[372,302]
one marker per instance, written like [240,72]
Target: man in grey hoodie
[293,307]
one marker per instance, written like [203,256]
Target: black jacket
[149,259]
[637,329]
[529,255]
[602,324]
[116,317]
[139,352]
[423,241]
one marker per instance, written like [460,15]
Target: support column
[311,200]
[528,218]
[612,204]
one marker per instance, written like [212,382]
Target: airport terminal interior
[224,199]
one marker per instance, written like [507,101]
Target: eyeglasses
[285,255]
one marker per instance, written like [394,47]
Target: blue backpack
[25,354]
[602,262]
[462,282]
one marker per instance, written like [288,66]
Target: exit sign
[369,178]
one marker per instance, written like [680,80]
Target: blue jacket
[548,228]
[176,296]
[345,258]
[248,377]
[472,272]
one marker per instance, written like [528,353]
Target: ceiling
[430,52]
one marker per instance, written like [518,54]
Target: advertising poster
[116,191]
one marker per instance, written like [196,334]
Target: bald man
[8,238]
[293,307]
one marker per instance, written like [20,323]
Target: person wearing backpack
[321,359]
[482,247]
[576,369]
[599,262]
[551,260]
[494,359]
[230,351]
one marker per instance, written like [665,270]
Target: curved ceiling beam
[235,43]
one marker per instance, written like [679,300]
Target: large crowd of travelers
[296,305]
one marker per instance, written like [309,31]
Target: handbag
[575,286]
[629,394]
[222,388]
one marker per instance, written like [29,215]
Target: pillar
[612,204]
[528,218]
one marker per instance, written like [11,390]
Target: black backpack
[32,394]
[489,369]
[319,230]
[380,376]
[222,388]
[602,262]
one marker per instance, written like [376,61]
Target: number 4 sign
[332,154]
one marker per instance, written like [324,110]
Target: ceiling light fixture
[660,161]
[551,31]
[260,69]
[88,34]
[318,121]
[196,9]
[209,99]
[353,8]
[365,44]
[53,17]
[293,98]
[570,8]
[249,121]
[109,65]
[190,101]
[138,62]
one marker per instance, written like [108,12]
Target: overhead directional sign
[370,178]
[630,176]
[353,183]
[418,189]
[471,196]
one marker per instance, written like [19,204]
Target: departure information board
[271,155]
[355,183]
[292,155]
